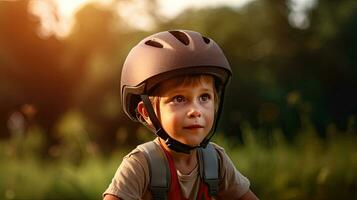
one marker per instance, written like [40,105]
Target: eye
[178,99]
[205,97]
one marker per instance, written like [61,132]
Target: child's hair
[187,80]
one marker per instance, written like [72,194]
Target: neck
[185,163]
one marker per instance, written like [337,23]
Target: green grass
[309,168]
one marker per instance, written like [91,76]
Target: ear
[143,112]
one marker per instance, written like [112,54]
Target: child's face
[187,111]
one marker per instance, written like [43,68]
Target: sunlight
[68,8]
[57,16]
[298,17]
[172,8]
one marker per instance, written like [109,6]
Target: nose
[194,112]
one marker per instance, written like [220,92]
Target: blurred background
[289,121]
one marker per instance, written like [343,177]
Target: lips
[193,127]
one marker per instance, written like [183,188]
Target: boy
[173,82]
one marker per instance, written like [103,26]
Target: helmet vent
[207,41]
[182,37]
[154,44]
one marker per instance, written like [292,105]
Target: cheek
[210,115]
[169,118]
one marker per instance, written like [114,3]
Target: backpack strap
[159,175]
[209,167]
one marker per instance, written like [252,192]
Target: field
[308,168]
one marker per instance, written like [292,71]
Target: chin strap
[170,142]
[160,132]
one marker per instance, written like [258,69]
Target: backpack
[160,178]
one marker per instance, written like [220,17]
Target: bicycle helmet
[162,56]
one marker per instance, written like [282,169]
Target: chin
[189,138]
[193,142]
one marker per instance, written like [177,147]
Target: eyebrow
[178,91]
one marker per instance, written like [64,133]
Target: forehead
[187,83]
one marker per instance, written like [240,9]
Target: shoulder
[132,176]
[138,158]
[220,150]
[217,146]
[134,164]
[225,161]
[135,156]
[141,150]
[232,181]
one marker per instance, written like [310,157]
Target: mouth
[192,127]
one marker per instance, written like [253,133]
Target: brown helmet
[169,54]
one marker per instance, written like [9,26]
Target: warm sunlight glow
[57,16]
[171,8]
[68,8]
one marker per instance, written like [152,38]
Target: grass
[309,168]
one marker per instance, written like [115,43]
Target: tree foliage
[283,75]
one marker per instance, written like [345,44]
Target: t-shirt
[131,180]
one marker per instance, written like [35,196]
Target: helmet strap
[160,132]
